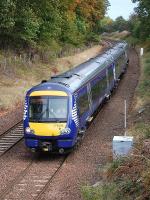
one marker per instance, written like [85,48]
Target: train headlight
[65,131]
[28,130]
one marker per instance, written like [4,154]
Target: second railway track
[11,137]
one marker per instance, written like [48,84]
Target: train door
[110,77]
[84,105]
[98,90]
[89,96]
[107,78]
[114,71]
[126,61]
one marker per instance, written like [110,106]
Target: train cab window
[83,103]
[48,109]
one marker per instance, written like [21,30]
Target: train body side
[95,92]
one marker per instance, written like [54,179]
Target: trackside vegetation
[129,178]
[18,73]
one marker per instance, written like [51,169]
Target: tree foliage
[44,22]
[143,12]
[108,25]
[120,24]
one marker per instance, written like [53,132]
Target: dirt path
[82,165]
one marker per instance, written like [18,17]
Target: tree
[26,27]
[34,23]
[7,20]
[120,24]
[143,11]
[105,25]
[134,25]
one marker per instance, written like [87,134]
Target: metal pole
[125,116]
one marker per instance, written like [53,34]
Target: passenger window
[98,88]
[111,74]
[96,91]
[118,65]
[83,103]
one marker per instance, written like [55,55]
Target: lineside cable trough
[122,145]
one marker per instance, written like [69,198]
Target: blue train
[57,111]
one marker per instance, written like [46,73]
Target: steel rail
[11,137]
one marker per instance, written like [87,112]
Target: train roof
[75,78]
[79,75]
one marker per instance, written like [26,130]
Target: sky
[120,8]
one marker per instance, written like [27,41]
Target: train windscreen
[48,109]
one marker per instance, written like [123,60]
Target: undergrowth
[126,179]
[144,87]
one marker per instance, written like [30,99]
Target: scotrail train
[57,111]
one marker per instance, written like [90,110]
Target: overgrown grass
[18,73]
[144,87]
[17,76]
[141,127]
[140,130]
[132,41]
[117,35]
[128,180]
[106,192]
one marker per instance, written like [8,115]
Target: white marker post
[142,52]
[125,117]
[122,145]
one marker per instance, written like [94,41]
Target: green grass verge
[107,192]
[144,86]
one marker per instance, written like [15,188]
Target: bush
[104,192]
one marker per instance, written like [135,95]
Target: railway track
[32,182]
[11,137]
